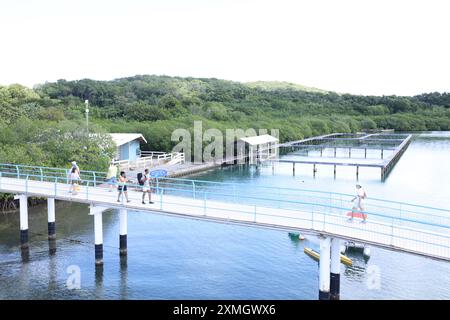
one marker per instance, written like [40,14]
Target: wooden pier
[396,144]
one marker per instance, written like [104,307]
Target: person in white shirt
[74,178]
[146,188]
[359,205]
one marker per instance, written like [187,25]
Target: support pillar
[334,171]
[365,152]
[51,218]
[293,168]
[98,229]
[382,154]
[314,170]
[335,152]
[123,232]
[335,274]
[23,200]
[321,150]
[324,269]
[357,172]
[349,152]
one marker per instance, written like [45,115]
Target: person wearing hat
[74,165]
[359,205]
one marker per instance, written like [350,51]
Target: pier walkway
[398,226]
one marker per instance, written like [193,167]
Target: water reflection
[25,254]
[99,281]
[51,246]
[52,270]
[124,277]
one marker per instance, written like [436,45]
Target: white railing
[151,153]
[151,159]
[177,157]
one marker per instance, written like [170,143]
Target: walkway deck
[400,234]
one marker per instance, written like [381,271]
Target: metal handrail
[321,215]
[242,197]
[102,175]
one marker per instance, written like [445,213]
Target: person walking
[74,178]
[146,188]
[69,175]
[122,187]
[74,165]
[359,205]
[111,176]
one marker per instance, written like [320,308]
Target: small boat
[296,235]
[356,247]
[316,256]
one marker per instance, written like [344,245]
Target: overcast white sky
[355,46]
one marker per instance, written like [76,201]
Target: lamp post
[86,102]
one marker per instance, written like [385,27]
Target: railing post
[56,182]
[26,185]
[95,180]
[279,198]
[87,190]
[0,179]
[392,231]
[157,185]
[193,189]
[18,172]
[42,174]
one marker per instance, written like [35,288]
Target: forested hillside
[46,125]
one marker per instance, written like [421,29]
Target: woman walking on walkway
[74,178]
[122,187]
[111,176]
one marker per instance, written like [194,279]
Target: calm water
[173,258]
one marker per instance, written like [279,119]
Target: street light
[86,102]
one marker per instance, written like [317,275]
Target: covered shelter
[128,145]
[260,147]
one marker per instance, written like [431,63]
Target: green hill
[45,125]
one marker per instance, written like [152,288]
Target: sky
[348,46]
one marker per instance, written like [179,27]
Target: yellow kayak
[316,256]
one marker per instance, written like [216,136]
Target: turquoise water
[175,258]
